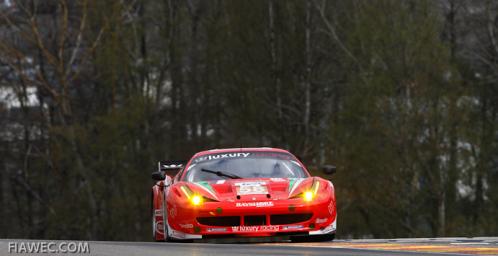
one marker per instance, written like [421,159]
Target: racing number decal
[251,188]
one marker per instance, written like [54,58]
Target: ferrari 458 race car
[243,192]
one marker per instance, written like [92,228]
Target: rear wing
[170,168]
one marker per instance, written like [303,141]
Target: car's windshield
[237,165]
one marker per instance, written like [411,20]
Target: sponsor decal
[255,228]
[251,188]
[292,227]
[331,207]
[221,156]
[216,229]
[250,183]
[255,204]
[188,225]
[159,227]
[319,221]
[172,212]
[220,181]
[158,212]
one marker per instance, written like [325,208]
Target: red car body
[302,207]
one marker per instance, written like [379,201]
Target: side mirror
[158,176]
[329,169]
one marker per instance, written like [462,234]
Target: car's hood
[250,189]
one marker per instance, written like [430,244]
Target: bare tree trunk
[491,26]
[3,213]
[81,169]
[195,88]
[175,74]
[483,156]
[307,77]
[273,52]
[441,229]
[451,178]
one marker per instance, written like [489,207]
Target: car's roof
[228,150]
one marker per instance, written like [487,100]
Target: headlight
[196,200]
[309,195]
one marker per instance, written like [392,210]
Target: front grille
[255,220]
[224,221]
[282,219]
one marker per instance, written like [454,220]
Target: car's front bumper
[277,218]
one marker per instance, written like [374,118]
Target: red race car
[243,192]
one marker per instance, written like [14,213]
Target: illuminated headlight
[193,198]
[196,200]
[308,196]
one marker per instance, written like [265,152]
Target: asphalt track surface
[420,246]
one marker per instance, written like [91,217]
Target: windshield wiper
[222,174]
